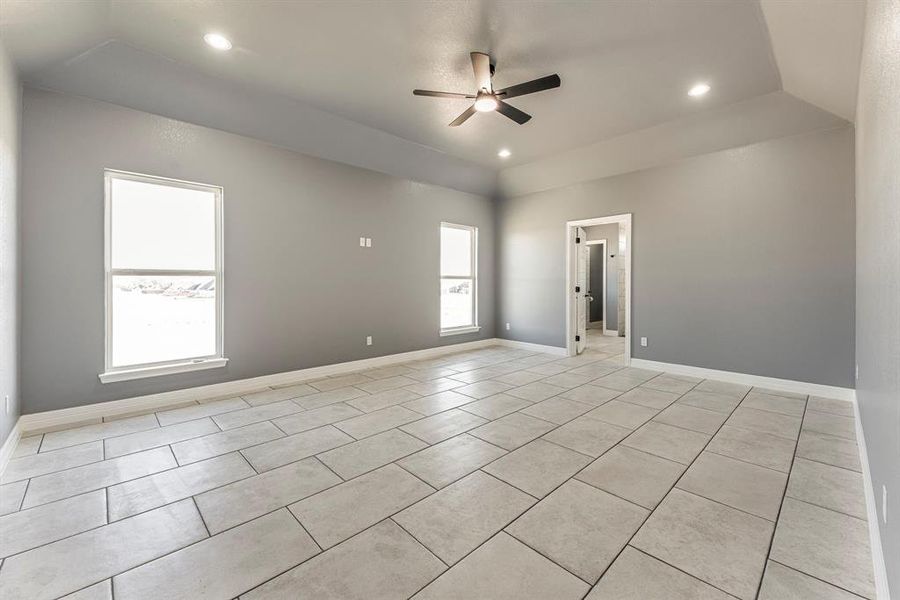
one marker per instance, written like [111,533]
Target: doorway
[580,290]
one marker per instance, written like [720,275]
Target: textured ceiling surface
[625,65]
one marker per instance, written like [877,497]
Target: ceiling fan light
[486,103]
[698,90]
[217,41]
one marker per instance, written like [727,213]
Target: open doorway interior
[598,287]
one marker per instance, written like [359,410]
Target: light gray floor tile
[638,373]
[520,378]
[668,382]
[504,569]
[751,488]
[11,496]
[623,414]
[381,562]
[448,461]
[161,436]
[256,414]
[595,369]
[773,392]
[378,421]
[365,455]
[98,591]
[783,583]
[341,381]
[63,484]
[765,422]
[587,435]
[617,381]
[690,417]
[669,442]
[279,394]
[460,517]
[344,510]
[247,499]
[710,401]
[836,425]
[442,426]
[720,545]
[433,373]
[384,399]
[50,571]
[198,411]
[35,527]
[590,394]
[761,449]
[98,431]
[483,389]
[391,371]
[310,419]
[648,397]
[637,576]
[580,528]
[434,386]
[535,392]
[222,566]
[828,545]
[722,387]
[829,450]
[512,431]
[538,467]
[282,451]
[139,495]
[431,405]
[388,383]
[828,405]
[633,475]
[557,410]
[828,486]
[49,462]
[552,368]
[330,397]
[568,380]
[222,443]
[780,404]
[27,446]
[494,407]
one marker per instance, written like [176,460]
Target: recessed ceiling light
[698,90]
[217,41]
[504,153]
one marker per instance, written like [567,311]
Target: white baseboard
[783,385]
[9,446]
[881,581]
[55,419]
[555,350]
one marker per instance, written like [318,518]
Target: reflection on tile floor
[494,473]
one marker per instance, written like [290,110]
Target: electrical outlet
[368,340]
[362,242]
[507,326]
[644,342]
[368,242]
[6,403]
[857,372]
[884,504]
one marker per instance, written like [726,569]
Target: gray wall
[878,266]
[295,276]
[10,128]
[743,260]
[610,233]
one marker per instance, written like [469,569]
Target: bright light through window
[163,271]
[458,277]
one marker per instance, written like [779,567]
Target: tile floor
[497,473]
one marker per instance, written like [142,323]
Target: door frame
[605,245]
[571,277]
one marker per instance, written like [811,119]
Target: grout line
[202,520]
[840,512]
[854,594]
[694,577]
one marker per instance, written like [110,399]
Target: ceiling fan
[488,99]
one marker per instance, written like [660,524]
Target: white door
[581,307]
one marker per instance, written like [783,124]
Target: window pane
[156,319]
[456,303]
[456,252]
[162,227]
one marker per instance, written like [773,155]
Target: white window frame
[474,277]
[113,374]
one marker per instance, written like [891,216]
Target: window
[163,276]
[459,280]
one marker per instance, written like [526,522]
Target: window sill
[157,371]
[459,330]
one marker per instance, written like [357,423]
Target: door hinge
[577,289]
[577,240]
[577,338]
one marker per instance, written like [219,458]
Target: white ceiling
[625,65]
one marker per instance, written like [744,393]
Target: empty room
[449,299]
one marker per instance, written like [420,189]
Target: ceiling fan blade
[481,64]
[441,94]
[530,87]
[463,117]
[513,113]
